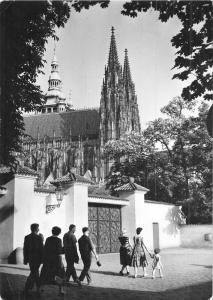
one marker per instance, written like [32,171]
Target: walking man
[86,249]
[33,252]
[71,253]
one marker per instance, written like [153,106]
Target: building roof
[21,170]
[83,122]
[131,186]
[69,178]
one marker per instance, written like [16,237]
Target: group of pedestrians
[135,256]
[50,255]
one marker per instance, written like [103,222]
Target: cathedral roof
[78,122]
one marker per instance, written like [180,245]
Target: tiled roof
[80,122]
[21,170]
[131,186]
[71,177]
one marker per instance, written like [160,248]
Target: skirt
[139,258]
[53,266]
[125,256]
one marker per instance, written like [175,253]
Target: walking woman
[53,271]
[125,252]
[138,255]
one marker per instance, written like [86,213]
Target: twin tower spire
[118,107]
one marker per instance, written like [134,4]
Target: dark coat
[70,248]
[33,248]
[85,247]
[52,264]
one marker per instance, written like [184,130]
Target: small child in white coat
[156,265]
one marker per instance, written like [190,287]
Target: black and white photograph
[106,112]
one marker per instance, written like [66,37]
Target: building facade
[59,138]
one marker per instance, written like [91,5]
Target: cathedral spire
[113,54]
[54,80]
[126,70]
[55,99]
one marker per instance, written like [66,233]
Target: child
[156,265]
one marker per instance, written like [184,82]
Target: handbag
[98,263]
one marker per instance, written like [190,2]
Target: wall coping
[98,200]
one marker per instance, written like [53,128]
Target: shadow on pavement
[205,266]
[11,287]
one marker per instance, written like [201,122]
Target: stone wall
[196,236]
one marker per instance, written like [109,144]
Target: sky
[83,49]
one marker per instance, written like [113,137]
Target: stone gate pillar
[75,189]
[132,215]
[76,211]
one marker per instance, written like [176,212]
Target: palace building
[60,138]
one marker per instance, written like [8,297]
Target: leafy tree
[25,28]
[174,160]
[194,42]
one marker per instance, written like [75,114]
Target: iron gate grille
[105,227]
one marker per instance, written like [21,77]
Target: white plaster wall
[139,209]
[30,208]
[23,207]
[81,207]
[169,231]
[6,220]
[53,218]
[128,214]
[132,215]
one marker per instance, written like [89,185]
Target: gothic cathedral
[60,138]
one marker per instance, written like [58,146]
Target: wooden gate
[105,227]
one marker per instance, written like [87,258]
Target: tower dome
[55,98]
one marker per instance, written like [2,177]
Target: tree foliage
[194,42]
[174,160]
[25,28]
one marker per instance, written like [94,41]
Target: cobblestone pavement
[187,275]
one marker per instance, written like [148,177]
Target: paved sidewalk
[187,275]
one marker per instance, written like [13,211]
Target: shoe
[127,273]
[78,282]
[135,276]
[89,281]
[153,277]
[62,293]
[121,273]
[59,280]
